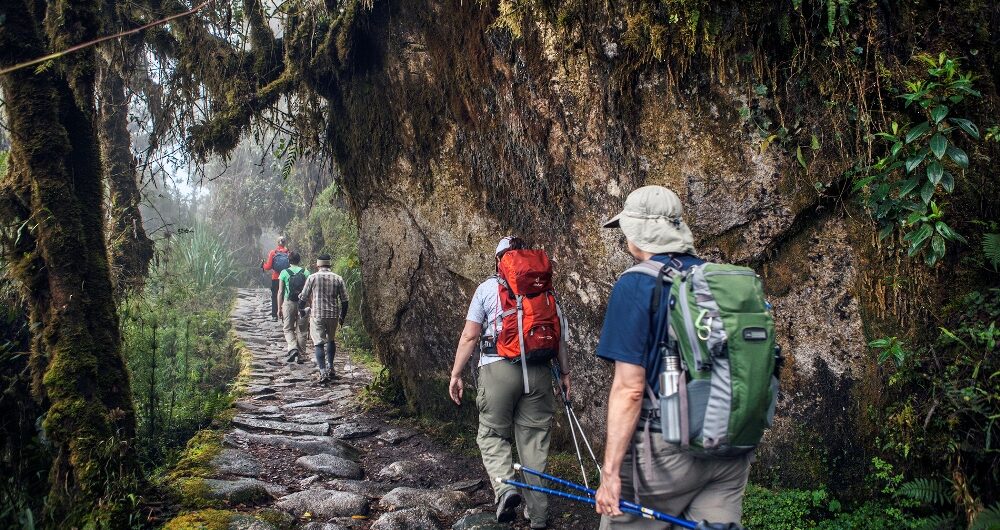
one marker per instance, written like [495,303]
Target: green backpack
[722,329]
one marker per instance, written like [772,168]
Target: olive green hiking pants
[507,414]
[681,485]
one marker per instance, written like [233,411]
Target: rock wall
[462,133]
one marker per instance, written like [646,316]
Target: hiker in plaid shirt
[326,296]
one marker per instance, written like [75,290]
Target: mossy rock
[212,519]
[197,458]
[202,520]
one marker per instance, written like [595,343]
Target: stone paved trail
[313,452]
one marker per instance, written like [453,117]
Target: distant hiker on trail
[682,448]
[277,261]
[291,282]
[326,296]
[515,397]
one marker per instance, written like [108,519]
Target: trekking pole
[588,491]
[624,506]
[569,419]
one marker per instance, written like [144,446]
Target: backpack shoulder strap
[649,268]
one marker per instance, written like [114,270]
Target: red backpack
[532,320]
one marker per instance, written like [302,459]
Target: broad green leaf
[896,147]
[938,145]
[935,171]
[938,113]
[895,128]
[927,192]
[967,126]
[948,182]
[880,343]
[814,143]
[917,131]
[919,237]
[937,245]
[800,157]
[915,160]
[942,228]
[958,155]
[908,185]
[885,232]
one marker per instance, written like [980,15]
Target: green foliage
[177,345]
[944,404]
[991,249]
[926,491]
[889,348]
[903,190]
[988,519]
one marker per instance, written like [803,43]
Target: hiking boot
[293,355]
[320,377]
[509,501]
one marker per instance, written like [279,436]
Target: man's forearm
[462,355]
[623,415]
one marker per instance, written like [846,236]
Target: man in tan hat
[648,470]
[326,295]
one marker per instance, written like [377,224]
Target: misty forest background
[144,177]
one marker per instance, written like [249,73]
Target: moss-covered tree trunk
[53,194]
[130,249]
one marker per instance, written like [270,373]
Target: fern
[988,519]
[991,248]
[935,522]
[927,491]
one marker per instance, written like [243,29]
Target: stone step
[317,429]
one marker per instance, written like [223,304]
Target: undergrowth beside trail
[177,341]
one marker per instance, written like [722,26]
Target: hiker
[515,400]
[291,281]
[640,464]
[326,297]
[277,261]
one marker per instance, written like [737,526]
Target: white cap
[651,219]
[504,244]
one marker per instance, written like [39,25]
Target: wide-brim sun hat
[652,220]
[504,244]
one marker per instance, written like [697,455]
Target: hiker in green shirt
[295,325]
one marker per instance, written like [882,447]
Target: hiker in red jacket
[277,261]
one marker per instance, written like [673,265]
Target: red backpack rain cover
[525,276]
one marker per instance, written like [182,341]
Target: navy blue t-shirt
[628,330]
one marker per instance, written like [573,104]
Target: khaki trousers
[682,485]
[322,330]
[507,414]
[295,327]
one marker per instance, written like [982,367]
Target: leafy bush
[903,188]
[177,344]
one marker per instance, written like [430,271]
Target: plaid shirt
[325,292]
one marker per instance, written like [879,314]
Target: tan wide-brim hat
[652,220]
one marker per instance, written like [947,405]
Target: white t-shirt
[485,310]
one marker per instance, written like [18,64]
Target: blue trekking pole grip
[645,512]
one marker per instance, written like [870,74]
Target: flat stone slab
[322,526]
[316,417]
[408,519]
[479,521]
[351,430]
[442,503]
[316,429]
[312,445]
[368,488]
[235,462]
[330,465]
[307,403]
[249,522]
[395,435]
[261,391]
[399,470]
[324,503]
[467,486]
[243,491]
